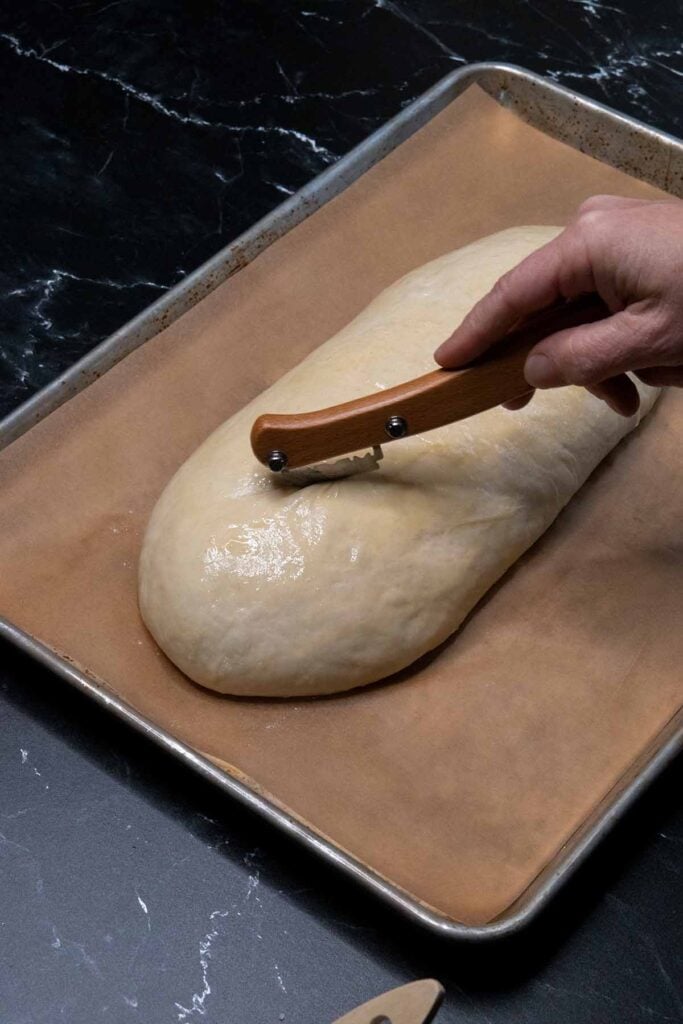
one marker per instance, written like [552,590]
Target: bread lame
[415,1003]
[299,447]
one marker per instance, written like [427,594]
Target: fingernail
[540,371]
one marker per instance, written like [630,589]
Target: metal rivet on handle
[276,461]
[396,426]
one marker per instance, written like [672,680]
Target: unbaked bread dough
[253,587]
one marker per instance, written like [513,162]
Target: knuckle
[652,333]
[505,292]
[662,334]
[592,203]
[578,361]
[592,221]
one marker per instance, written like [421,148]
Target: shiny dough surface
[255,588]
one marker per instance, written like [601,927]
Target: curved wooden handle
[437,398]
[414,1003]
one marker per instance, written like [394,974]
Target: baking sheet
[461,780]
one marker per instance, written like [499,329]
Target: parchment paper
[460,780]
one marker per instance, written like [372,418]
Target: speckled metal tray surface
[587,126]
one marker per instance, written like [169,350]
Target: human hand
[629,251]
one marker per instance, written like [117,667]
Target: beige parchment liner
[459,781]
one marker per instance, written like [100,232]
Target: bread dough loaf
[253,587]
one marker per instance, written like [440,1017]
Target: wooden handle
[415,1003]
[437,398]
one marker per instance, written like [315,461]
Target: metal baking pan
[582,123]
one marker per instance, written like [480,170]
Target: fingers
[619,392]
[662,376]
[594,253]
[591,353]
[560,269]
[527,287]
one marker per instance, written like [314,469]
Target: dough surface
[256,588]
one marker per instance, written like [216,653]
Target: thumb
[590,353]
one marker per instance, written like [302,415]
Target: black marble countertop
[139,139]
